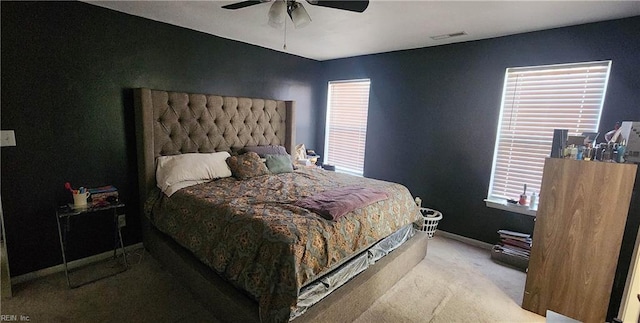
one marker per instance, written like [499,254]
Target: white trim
[604,92]
[497,142]
[561,65]
[348,171]
[469,241]
[511,208]
[72,264]
[350,81]
[519,151]
[327,125]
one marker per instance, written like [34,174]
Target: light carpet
[455,283]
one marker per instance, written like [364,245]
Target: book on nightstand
[102,196]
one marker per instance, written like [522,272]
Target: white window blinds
[535,101]
[346,126]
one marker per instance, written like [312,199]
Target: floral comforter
[250,232]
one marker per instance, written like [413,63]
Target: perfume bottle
[580,153]
[574,152]
[621,149]
[588,153]
[533,201]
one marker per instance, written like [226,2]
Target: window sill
[510,207]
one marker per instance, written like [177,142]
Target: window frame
[327,157]
[492,201]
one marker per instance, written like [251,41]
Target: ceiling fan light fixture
[298,14]
[276,14]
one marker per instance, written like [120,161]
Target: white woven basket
[430,219]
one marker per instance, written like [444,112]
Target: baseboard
[469,241]
[72,264]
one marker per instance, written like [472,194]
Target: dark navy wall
[433,116]
[67,73]
[68,69]
[433,112]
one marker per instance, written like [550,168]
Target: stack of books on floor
[514,248]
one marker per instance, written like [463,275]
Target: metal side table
[65,213]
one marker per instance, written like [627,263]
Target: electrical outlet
[7,138]
[122,221]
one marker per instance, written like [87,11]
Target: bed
[247,247]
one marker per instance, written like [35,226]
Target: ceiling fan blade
[355,5]
[242,4]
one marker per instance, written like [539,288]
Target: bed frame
[169,123]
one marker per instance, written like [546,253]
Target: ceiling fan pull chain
[285,35]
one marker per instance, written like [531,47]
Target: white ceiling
[386,25]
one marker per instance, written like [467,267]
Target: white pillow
[190,169]
[177,186]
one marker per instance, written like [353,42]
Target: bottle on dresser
[533,201]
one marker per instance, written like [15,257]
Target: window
[535,101]
[346,126]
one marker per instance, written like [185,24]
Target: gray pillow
[279,164]
[263,151]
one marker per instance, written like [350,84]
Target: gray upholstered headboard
[170,123]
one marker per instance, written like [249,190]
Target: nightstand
[64,216]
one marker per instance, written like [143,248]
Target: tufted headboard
[171,123]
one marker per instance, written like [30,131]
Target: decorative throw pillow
[279,164]
[235,151]
[247,166]
[263,151]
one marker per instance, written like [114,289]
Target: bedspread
[250,232]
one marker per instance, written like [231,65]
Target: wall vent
[445,36]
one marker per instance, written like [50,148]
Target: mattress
[323,286]
[252,234]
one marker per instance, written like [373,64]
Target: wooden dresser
[576,241]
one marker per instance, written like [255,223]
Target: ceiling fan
[296,10]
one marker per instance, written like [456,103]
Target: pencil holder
[80,199]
